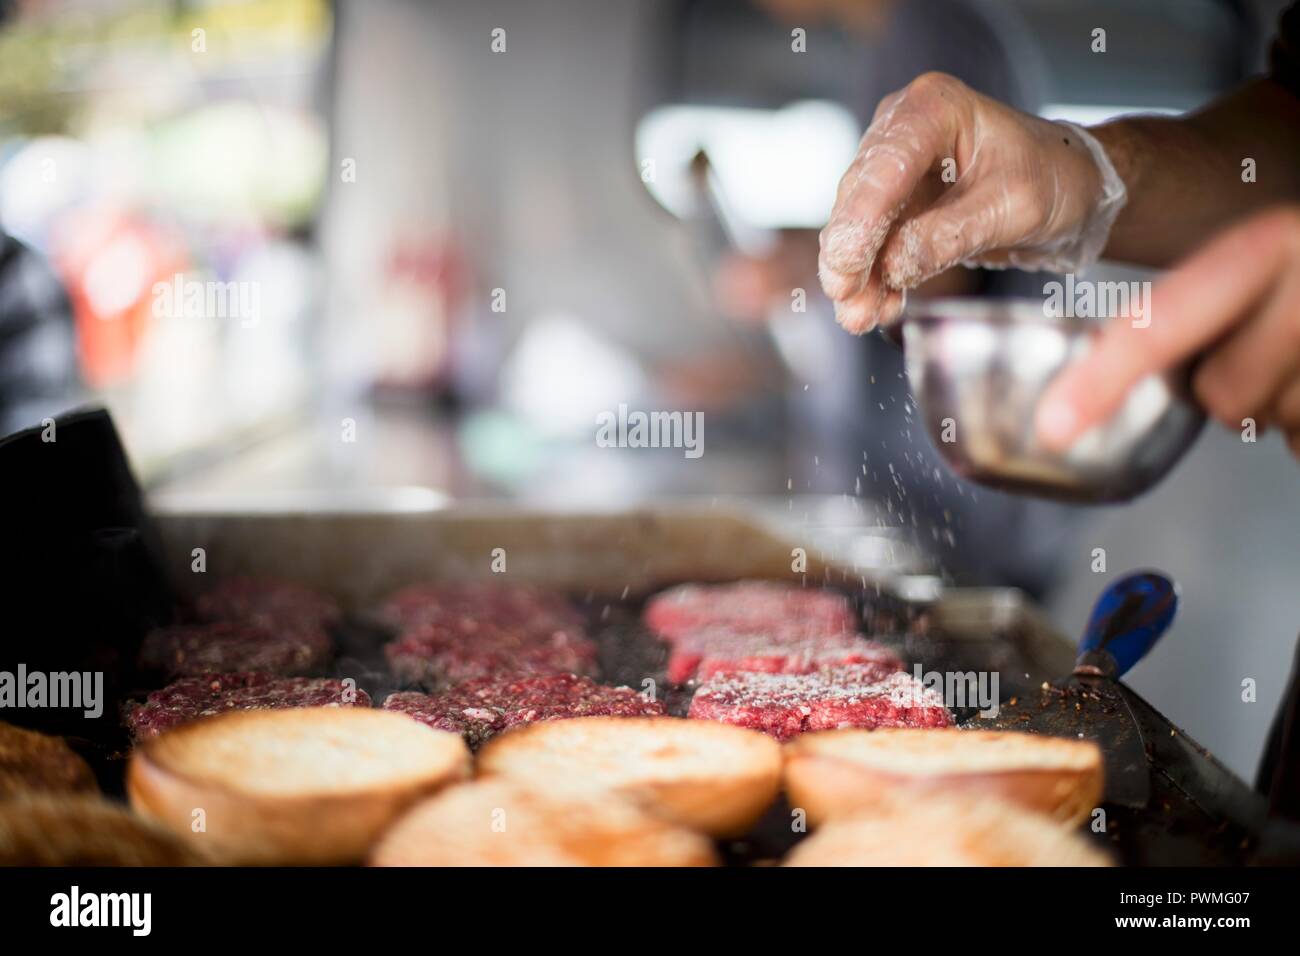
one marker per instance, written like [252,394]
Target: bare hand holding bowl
[977,368]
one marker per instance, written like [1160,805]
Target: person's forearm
[1185,174]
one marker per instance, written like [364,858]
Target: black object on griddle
[81,576]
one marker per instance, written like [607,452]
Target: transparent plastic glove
[947,176]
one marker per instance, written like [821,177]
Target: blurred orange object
[109,261]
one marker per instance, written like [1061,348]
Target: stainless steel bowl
[977,368]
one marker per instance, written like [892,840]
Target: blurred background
[315,252]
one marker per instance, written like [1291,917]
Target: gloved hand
[1028,193]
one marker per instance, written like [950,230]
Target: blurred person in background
[854,427]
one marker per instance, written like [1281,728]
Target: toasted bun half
[704,775]
[939,831]
[61,830]
[498,822]
[835,773]
[314,785]
[32,762]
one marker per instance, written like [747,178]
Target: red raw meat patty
[751,607]
[479,709]
[279,605]
[188,650]
[455,605]
[785,705]
[706,653]
[439,655]
[193,697]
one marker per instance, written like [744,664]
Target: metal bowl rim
[1011,310]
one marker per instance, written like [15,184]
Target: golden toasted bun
[314,785]
[835,773]
[63,830]
[32,762]
[498,822]
[701,774]
[940,831]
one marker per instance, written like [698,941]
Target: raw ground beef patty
[451,605]
[750,607]
[278,605]
[449,633]
[436,655]
[188,650]
[785,705]
[193,697]
[705,653]
[479,709]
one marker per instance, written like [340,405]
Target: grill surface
[1199,814]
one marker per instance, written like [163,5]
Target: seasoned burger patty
[189,650]
[785,705]
[753,607]
[457,606]
[277,605]
[478,709]
[193,697]
[703,654]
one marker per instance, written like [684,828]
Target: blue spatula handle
[1127,620]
